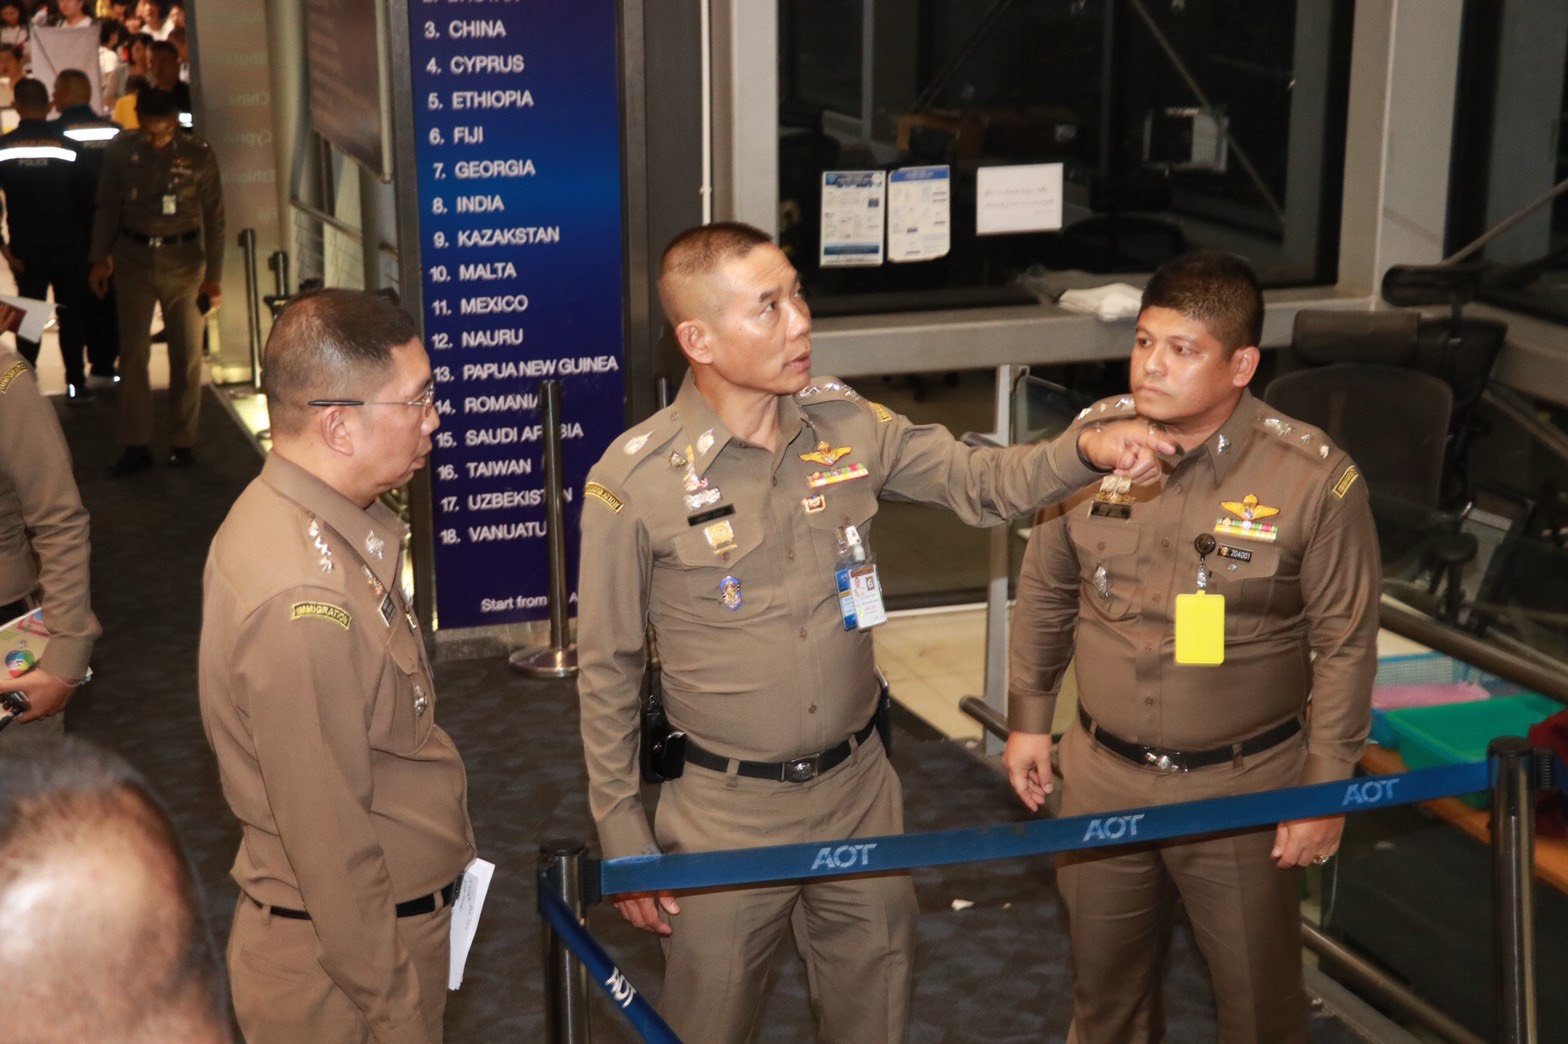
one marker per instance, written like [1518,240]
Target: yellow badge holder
[1200,629]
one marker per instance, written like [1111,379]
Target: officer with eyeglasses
[318,699]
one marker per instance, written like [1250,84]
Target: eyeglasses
[427,399]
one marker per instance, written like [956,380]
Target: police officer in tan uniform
[718,521]
[158,231]
[317,697]
[1264,512]
[44,553]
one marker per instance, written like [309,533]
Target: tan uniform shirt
[160,192]
[1301,585]
[757,664]
[43,526]
[318,701]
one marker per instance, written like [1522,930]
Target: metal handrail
[1407,622]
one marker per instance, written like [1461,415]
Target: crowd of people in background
[91,211]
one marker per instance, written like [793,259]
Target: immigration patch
[321,611]
[10,375]
[1346,480]
[603,496]
[883,413]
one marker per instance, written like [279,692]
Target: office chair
[1347,373]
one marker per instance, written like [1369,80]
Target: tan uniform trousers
[170,277]
[856,934]
[1245,912]
[282,995]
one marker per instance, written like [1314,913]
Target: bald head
[330,344]
[94,889]
[689,287]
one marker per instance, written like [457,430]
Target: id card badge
[860,596]
[170,204]
[1200,629]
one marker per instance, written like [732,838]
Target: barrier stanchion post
[252,308]
[559,660]
[565,979]
[1513,877]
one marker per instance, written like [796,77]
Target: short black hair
[1217,289]
[30,94]
[156,103]
[330,344]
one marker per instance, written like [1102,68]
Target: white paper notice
[1025,198]
[918,213]
[35,315]
[465,917]
[852,208]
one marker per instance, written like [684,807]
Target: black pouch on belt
[884,717]
[662,753]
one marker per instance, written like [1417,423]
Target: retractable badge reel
[859,589]
[1200,616]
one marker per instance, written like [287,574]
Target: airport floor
[996,970]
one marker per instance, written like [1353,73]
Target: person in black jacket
[48,243]
[92,134]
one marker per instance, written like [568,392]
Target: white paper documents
[853,205]
[919,203]
[465,916]
[1025,198]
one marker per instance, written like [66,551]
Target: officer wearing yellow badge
[738,524]
[318,700]
[1224,621]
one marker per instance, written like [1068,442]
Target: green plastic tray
[1459,733]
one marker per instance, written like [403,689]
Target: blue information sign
[517,123]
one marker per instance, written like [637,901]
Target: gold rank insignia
[603,496]
[1346,480]
[1248,509]
[818,479]
[824,454]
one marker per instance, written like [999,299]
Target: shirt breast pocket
[411,696]
[854,504]
[1248,586]
[1108,565]
[726,582]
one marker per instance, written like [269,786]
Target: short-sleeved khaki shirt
[318,701]
[729,551]
[1296,559]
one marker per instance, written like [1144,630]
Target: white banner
[58,48]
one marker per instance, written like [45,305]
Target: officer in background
[48,246]
[91,134]
[43,554]
[719,522]
[317,697]
[1263,512]
[158,228]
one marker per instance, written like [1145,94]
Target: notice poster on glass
[919,202]
[1024,198]
[853,204]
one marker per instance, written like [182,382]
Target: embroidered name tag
[321,611]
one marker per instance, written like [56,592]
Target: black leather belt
[11,610]
[1187,760]
[796,770]
[159,241]
[411,908]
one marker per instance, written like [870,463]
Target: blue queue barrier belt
[1560,774]
[684,872]
[629,1000]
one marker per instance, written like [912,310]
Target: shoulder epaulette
[637,445]
[1303,438]
[1112,407]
